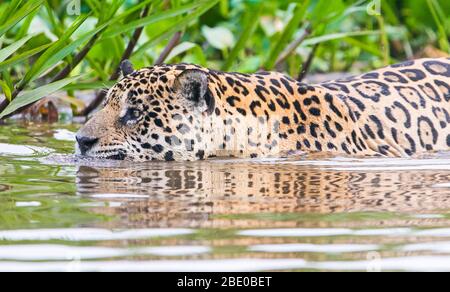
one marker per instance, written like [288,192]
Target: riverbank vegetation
[60,49]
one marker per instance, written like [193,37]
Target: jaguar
[185,112]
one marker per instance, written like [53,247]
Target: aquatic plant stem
[77,59]
[61,74]
[307,65]
[172,43]
[293,46]
[5,102]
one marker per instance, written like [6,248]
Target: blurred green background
[49,46]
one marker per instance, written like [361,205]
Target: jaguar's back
[399,110]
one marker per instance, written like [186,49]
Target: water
[59,213]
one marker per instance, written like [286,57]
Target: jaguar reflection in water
[193,194]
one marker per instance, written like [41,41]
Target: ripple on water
[320,232]
[64,135]
[89,234]
[52,252]
[23,150]
[414,263]
[314,248]
[225,265]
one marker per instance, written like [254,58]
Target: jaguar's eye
[131,115]
[134,113]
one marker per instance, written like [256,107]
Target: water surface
[61,213]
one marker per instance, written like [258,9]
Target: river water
[62,213]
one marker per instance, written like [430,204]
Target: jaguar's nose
[86,143]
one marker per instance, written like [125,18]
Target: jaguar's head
[156,113]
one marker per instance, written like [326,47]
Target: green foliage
[55,53]
[36,94]
[14,13]
[289,30]
[249,26]
[441,21]
[40,43]
[8,51]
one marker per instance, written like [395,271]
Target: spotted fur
[186,112]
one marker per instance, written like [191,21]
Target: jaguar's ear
[126,67]
[192,84]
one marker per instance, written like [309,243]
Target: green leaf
[374,50]
[6,90]
[34,95]
[25,24]
[21,57]
[65,51]
[10,10]
[94,6]
[218,37]
[436,12]
[11,49]
[132,10]
[89,85]
[196,56]
[177,26]
[54,53]
[58,51]
[180,49]
[25,10]
[117,30]
[287,34]
[7,78]
[248,29]
[56,26]
[334,36]
[98,68]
